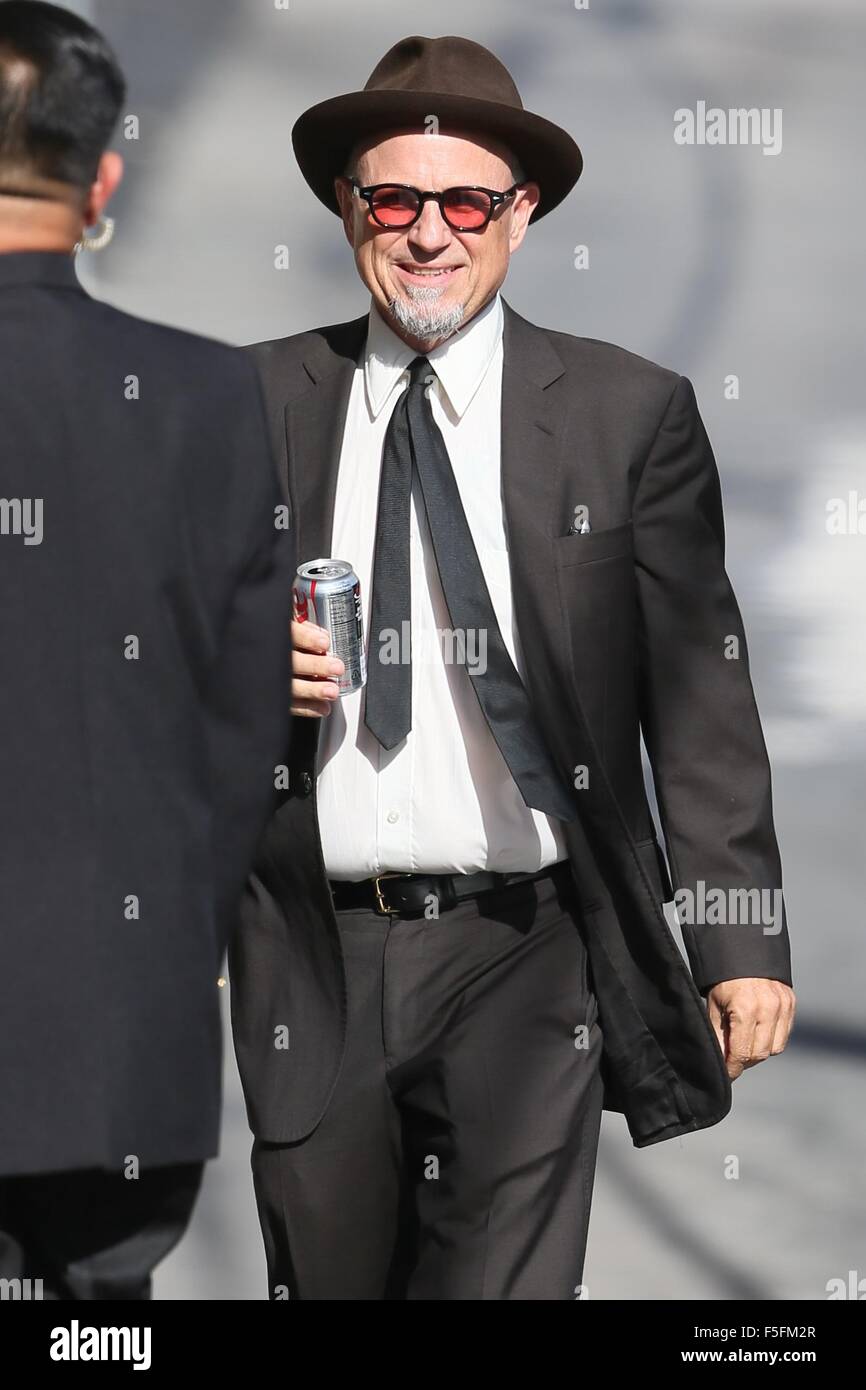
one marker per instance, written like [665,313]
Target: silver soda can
[328,592]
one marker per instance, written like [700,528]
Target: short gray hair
[357,152]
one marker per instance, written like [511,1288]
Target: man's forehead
[414,149]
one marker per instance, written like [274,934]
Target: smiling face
[427,280]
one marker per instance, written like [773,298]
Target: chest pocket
[609,544]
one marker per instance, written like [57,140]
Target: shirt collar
[461,363]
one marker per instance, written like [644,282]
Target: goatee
[418,315]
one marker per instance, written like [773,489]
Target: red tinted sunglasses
[468,208]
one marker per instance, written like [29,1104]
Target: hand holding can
[328,614]
[315,672]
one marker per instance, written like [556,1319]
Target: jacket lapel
[314,422]
[533,429]
[531,438]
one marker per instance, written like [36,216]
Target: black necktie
[413,439]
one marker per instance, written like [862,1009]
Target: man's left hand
[751,1019]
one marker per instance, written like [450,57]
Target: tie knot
[420,372]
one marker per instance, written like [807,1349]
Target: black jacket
[143,706]
[623,629]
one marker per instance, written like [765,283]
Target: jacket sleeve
[698,713]
[250,686]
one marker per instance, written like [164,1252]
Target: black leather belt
[408,894]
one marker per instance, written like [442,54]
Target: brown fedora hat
[459,82]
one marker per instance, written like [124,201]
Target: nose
[431,232]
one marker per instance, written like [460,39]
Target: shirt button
[393,817]
[306,784]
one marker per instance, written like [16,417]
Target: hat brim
[324,136]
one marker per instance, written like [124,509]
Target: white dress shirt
[443,800]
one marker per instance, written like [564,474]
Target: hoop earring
[100,239]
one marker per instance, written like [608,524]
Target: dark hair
[61,91]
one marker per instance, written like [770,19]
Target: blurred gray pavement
[713,260]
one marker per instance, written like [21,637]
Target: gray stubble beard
[427,325]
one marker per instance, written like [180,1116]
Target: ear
[108,176]
[345,197]
[526,200]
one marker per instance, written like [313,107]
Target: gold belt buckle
[382,907]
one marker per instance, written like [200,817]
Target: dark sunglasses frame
[496,199]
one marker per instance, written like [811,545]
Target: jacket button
[306,784]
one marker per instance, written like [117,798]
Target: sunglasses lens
[395,207]
[466,207]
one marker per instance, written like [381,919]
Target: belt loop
[445,894]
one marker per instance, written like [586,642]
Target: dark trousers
[91,1234]
[456,1157]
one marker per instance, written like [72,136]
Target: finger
[311,709]
[740,1030]
[762,1041]
[308,637]
[717,1021]
[317,691]
[304,664]
[783,1027]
